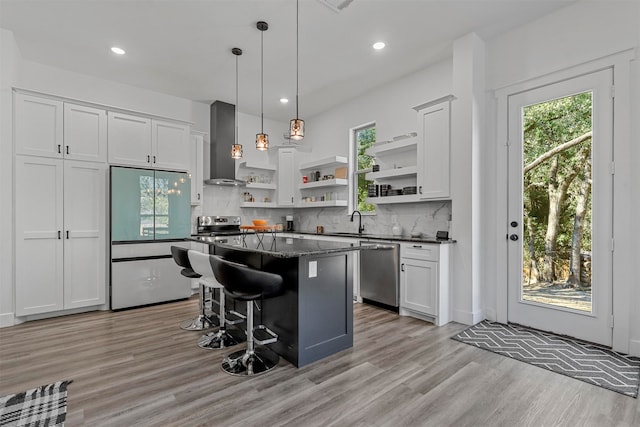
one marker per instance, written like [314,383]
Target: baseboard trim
[468,317]
[634,347]
[8,319]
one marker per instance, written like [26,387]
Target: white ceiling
[182,47]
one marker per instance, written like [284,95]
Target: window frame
[353,172]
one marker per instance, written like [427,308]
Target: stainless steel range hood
[222,166]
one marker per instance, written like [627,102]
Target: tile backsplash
[424,217]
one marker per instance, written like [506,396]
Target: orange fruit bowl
[259,222]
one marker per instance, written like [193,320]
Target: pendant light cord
[262,82]
[237,99]
[297,52]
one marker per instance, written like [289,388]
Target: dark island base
[314,316]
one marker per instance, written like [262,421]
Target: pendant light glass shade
[236,149]
[262,139]
[296,126]
[296,129]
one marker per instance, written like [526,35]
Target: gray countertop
[283,247]
[387,237]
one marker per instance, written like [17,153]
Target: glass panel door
[172,205]
[132,204]
[560,207]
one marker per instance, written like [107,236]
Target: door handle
[59,234]
[67,149]
[420,189]
[67,234]
[513,237]
[514,224]
[402,267]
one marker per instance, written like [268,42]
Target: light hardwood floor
[138,368]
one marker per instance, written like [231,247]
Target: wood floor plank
[138,368]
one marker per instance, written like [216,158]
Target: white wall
[9,70]
[575,35]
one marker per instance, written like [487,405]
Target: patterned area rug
[574,358]
[42,406]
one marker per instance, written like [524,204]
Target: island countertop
[284,247]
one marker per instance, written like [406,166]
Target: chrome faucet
[360,226]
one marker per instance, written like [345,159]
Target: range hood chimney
[222,166]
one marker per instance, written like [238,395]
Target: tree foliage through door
[557,191]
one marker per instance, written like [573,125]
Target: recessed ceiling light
[379,45]
[284,100]
[117,50]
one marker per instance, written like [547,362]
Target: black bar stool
[248,284]
[202,321]
[223,338]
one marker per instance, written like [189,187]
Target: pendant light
[296,126]
[236,149]
[262,139]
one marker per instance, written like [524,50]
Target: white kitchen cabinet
[170,145]
[196,167]
[60,234]
[286,187]
[51,128]
[129,140]
[38,126]
[85,133]
[144,142]
[425,282]
[434,156]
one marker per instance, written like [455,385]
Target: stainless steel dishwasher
[380,274]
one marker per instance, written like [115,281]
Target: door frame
[622,196]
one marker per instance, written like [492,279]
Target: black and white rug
[42,406]
[577,359]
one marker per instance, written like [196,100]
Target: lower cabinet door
[85,233]
[147,281]
[419,286]
[39,244]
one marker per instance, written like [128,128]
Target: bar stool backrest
[241,280]
[201,264]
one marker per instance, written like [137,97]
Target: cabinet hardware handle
[148,158]
[67,234]
[59,235]
[420,189]
[59,149]
[402,267]
[198,196]
[154,159]
[67,149]
[417,246]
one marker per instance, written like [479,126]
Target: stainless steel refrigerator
[150,212]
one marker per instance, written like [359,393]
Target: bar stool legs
[252,361]
[202,321]
[223,338]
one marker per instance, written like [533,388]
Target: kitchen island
[313,317]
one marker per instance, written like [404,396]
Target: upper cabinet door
[434,151]
[38,126]
[170,146]
[285,176]
[85,133]
[129,140]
